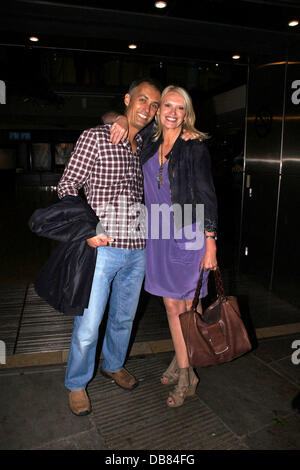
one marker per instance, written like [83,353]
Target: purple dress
[172,270]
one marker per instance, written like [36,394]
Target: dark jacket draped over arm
[65,280]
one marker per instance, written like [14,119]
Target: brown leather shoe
[79,403]
[122,378]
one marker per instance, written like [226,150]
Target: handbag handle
[219,287]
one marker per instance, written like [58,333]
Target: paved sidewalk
[248,404]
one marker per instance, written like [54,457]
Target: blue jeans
[120,272]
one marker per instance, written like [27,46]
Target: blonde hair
[189,120]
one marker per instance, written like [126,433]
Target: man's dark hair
[148,80]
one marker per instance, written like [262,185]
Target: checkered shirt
[112,180]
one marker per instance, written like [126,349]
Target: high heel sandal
[171,375]
[186,387]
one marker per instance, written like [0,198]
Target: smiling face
[142,105]
[172,110]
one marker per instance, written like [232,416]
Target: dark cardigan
[189,175]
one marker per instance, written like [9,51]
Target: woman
[177,172]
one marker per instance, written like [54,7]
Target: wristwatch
[212,236]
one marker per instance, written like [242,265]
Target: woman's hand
[119,130]
[209,260]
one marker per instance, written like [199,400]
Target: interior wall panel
[286,276]
[262,170]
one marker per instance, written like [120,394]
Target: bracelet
[211,236]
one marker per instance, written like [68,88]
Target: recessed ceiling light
[293,23]
[236,56]
[33,39]
[132,46]
[160,4]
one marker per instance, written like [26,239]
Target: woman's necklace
[161,166]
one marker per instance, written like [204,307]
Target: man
[112,180]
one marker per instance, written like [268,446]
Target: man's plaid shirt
[112,180]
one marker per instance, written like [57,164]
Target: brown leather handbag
[218,335]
